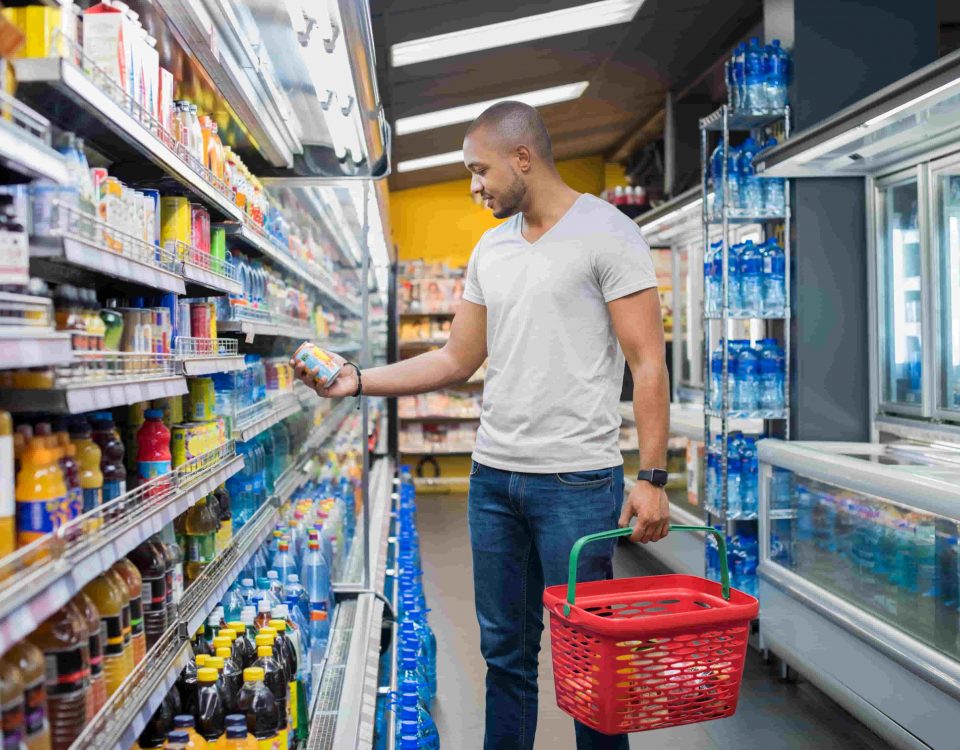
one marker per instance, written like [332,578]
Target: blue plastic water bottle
[749,484]
[777,72]
[774,193]
[755,85]
[751,279]
[734,296]
[747,386]
[751,186]
[733,479]
[773,300]
[716,379]
[739,76]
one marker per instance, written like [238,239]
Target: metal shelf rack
[723,122]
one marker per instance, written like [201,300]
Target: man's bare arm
[459,358]
[638,322]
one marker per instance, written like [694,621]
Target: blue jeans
[522,527]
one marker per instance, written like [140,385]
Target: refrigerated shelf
[61,90]
[93,395]
[24,143]
[43,576]
[263,415]
[201,279]
[250,329]
[34,347]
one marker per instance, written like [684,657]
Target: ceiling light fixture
[468,112]
[516,31]
[425,162]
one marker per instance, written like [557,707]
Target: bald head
[513,124]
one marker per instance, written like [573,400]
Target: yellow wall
[442,222]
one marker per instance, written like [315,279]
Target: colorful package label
[38,517]
[151,469]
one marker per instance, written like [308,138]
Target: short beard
[512,198]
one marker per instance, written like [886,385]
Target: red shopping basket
[648,653]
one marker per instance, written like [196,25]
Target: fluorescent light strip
[517,31]
[906,105]
[425,162]
[468,112]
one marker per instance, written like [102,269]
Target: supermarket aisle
[771,714]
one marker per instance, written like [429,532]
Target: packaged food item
[316,358]
[63,640]
[108,42]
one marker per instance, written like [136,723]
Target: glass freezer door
[946,183]
[900,270]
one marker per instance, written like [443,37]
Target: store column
[842,51]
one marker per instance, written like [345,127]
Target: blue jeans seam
[523,649]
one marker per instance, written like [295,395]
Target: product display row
[755,377]
[750,195]
[756,280]
[757,76]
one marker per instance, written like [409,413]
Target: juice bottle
[40,493]
[12,729]
[177,740]
[88,463]
[71,479]
[134,583]
[153,447]
[201,527]
[186,723]
[225,531]
[213,509]
[151,563]
[96,631]
[110,602]
[29,660]
[63,640]
[275,678]
[232,677]
[174,557]
[211,704]
[237,738]
[111,459]
[126,623]
[134,421]
[8,529]
[71,473]
[258,704]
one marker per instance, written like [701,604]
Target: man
[555,297]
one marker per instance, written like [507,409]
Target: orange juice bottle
[88,461]
[71,472]
[109,600]
[41,493]
[216,151]
[29,660]
[134,583]
[8,529]
[205,123]
[237,738]
[97,638]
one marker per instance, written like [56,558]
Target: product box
[41,26]
[165,87]
[109,40]
[151,78]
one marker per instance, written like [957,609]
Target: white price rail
[201,279]
[200,356]
[32,347]
[23,143]
[262,416]
[40,578]
[92,396]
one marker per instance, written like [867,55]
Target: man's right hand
[344,385]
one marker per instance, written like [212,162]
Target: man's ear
[523,158]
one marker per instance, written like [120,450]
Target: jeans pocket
[474,468]
[585,479]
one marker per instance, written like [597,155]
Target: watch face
[656,477]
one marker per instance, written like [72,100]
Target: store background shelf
[50,255]
[60,90]
[33,592]
[264,415]
[32,347]
[24,147]
[439,418]
[250,329]
[200,281]
[93,396]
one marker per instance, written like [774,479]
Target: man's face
[496,176]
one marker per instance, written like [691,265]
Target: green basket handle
[578,545]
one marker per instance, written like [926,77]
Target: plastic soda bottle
[88,462]
[243,646]
[63,640]
[232,677]
[153,447]
[71,472]
[186,723]
[284,645]
[29,660]
[110,602]
[111,462]
[134,582]
[96,639]
[151,564]
[41,493]
[12,709]
[258,704]
[275,678]
[210,704]
[201,528]
[237,738]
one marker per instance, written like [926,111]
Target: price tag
[14,258]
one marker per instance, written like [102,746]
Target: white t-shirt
[550,400]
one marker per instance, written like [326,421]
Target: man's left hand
[650,505]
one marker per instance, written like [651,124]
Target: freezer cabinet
[860,579]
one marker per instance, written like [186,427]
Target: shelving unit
[198,356]
[43,576]
[263,415]
[724,121]
[29,346]
[84,396]
[25,143]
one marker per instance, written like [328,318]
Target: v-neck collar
[558,222]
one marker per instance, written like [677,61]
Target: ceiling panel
[669,44]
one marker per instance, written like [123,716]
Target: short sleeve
[472,291]
[623,264]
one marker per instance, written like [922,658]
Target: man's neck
[547,206]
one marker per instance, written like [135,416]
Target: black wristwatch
[656,477]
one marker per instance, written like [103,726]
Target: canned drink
[200,320]
[316,358]
[172,409]
[174,223]
[213,319]
[218,249]
[203,399]
[152,209]
[186,444]
[199,235]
